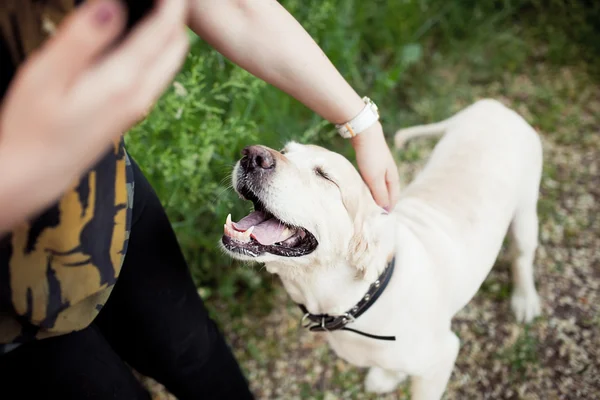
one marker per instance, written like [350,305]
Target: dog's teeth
[230,231]
[245,236]
[242,237]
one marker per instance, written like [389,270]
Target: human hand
[81,91]
[377,166]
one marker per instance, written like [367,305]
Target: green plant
[187,147]
[385,48]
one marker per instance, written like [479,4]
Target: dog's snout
[257,158]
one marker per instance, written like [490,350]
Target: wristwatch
[365,119]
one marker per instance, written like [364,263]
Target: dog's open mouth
[261,232]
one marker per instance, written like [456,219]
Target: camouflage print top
[57,271]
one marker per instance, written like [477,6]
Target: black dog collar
[326,322]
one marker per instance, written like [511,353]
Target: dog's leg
[431,386]
[383,381]
[525,302]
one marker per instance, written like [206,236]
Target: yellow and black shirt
[57,271]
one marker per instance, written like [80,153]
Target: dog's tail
[435,129]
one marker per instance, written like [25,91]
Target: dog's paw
[525,306]
[381,381]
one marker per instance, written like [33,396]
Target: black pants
[154,321]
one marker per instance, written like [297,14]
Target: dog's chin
[263,233]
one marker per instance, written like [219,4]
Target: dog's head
[311,207]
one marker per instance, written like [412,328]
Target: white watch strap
[365,119]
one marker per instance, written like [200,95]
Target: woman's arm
[263,38]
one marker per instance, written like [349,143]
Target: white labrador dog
[317,226]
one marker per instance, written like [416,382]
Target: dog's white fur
[446,231]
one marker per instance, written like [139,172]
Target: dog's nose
[256,158]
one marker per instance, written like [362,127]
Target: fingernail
[387,209]
[105,13]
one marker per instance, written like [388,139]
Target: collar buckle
[323,323]
[303,322]
[348,318]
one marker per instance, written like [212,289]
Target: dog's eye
[319,171]
[283,151]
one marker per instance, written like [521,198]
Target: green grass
[419,60]
[498,291]
[522,355]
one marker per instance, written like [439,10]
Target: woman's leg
[77,366]
[155,318]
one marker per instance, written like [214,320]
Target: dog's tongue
[271,231]
[267,229]
[250,220]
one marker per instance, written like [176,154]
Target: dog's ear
[371,242]
[370,246]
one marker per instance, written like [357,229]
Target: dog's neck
[334,286]
[331,291]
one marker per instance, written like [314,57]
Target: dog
[317,226]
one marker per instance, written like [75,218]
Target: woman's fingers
[159,75]
[153,81]
[94,91]
[85,90]
[154,30]
[83,36]
[392,179]
[120,74]
[146,41]
[119,109]
[379,191]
